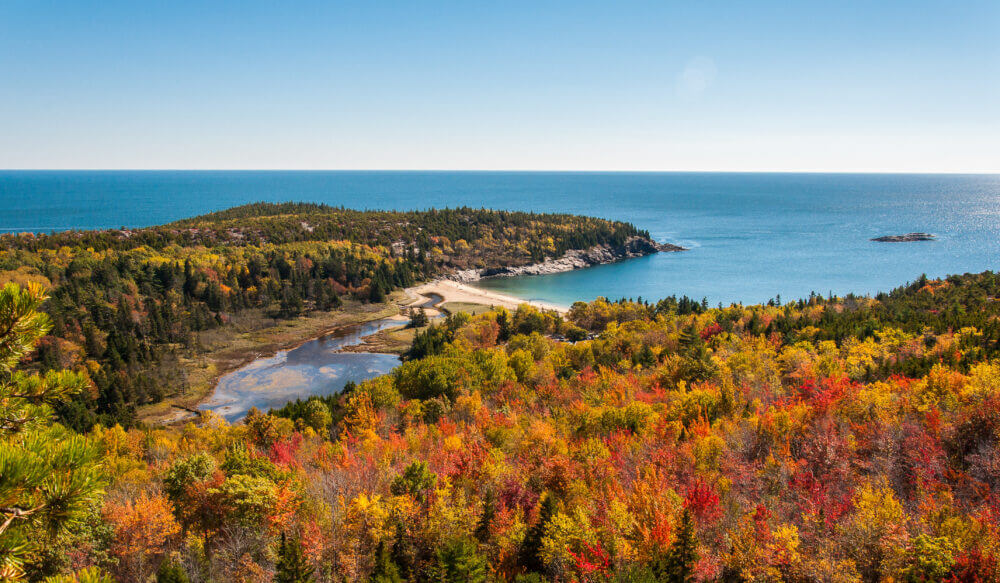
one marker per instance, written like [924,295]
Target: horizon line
[512,170]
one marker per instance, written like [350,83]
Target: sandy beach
[453,291]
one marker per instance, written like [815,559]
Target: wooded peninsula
[139,308]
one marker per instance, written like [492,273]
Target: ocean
[751,236]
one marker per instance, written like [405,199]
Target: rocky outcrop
[907,238]
[572,259]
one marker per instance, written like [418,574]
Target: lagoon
[316,367]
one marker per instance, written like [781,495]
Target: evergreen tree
[646,358]
[88,575]
[49,476]
[418,318]
[416,480]
[292,566]
[506,328]
[677,566]
[529,555]
[459,561]
[386,570]
[170,572]
[482,532]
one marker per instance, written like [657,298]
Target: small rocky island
[573,259]
[907,238]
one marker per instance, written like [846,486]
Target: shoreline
[456,292]
[571,260]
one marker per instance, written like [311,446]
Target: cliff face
[573,259]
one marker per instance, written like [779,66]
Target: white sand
[453,291]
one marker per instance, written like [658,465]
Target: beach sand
[453,291]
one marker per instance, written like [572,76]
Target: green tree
[532,544]
[184,473]
[418,318]
[928,559]
[677,566]
[317,415]
[88,575]
[482,531]
[49,476]
[170,572]
[292,565]
[247,499]
[386,570]
[459,561]
[415,480]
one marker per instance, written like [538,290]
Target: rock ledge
[572,259]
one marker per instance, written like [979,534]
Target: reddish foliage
[973,567]
[822,394]
[702,501]
[515,495]
[815,498]
[593,561]
[468,462]
[283,452]
[761,515]
[710,331]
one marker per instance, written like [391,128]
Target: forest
[129,306]
[830,439]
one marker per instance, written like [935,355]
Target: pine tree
[292,566]
[482,532]
[49,476]
[170,572]
[677,566]
[87,575]
[532,544]
[386,570]
[459,560]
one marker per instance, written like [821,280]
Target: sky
[848,86]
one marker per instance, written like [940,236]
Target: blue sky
[816,86]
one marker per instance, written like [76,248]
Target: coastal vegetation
[133,308]
[851,439]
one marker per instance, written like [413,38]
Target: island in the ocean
[905,238]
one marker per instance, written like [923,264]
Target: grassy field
[391,341]
[467,307]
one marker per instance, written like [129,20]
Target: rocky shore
[572,259]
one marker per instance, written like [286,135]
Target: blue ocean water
[752,236]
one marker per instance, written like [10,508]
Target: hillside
[827,439]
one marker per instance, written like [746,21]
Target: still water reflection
[317,367]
